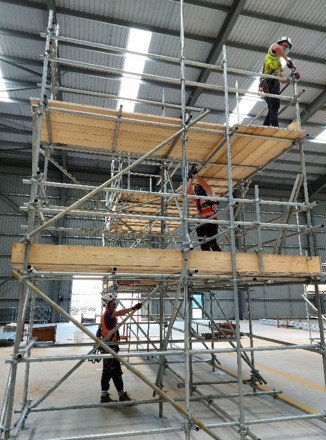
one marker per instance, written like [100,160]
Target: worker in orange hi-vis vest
[205,208]
[111,366]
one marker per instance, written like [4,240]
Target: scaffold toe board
[68,125]
[71,258]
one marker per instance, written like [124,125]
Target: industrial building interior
[107,108]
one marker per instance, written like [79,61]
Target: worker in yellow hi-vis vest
[273,66]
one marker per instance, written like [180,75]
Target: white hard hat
[287,39]
[108,297]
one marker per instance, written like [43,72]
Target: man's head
[109,300]
[286,42]
[199,190]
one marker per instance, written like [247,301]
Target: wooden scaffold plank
[69,258]
[252,147]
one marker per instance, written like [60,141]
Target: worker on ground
[273,66]
[205,208]
[112,367]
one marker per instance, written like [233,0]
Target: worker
[112,367]
[205,208]
[273,66]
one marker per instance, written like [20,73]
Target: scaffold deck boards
[252,147]
[69,258]
[145,203]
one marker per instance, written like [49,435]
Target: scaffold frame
[169,221]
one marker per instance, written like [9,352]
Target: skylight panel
[320,139]
[139,41]
[4,96]
[243,108]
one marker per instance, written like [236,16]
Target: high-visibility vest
[206,208]
[273,65]
[106,330]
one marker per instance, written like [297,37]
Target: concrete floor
[298,373]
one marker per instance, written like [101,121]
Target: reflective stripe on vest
[106,330]
[206,209]
[273,65]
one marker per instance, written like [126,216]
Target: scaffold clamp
[189,426]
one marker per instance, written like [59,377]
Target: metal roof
[246,27]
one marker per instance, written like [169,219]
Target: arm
[189,187]
[280,52]
[126,311]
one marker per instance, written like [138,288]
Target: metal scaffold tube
[243,428]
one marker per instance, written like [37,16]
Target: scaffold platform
[72,126]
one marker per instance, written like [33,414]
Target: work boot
[125,397]
[107,399]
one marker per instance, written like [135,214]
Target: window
[196,310]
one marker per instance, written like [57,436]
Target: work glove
[137,306]
[193,171]
[290,64]
[297,75]
[99,332]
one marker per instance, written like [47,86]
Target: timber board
[87,130]
[69,258]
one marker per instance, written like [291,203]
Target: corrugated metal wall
[14,194]
[266,302]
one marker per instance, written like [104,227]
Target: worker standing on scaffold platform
[273,66]
[205,208]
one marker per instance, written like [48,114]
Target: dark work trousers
[111,370]
[272,86]
[208,230]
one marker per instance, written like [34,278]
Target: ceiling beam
[262,49]
[7,129]
[313,107]
[296,163]
[317,186]
[27,4]
[15,117]
[15,101]
[21,34]
[129,23]
[9,145]
[17,62]
[11,203]
[288,21]
[19,82]
[216,49]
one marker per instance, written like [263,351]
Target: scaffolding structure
[172,271]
